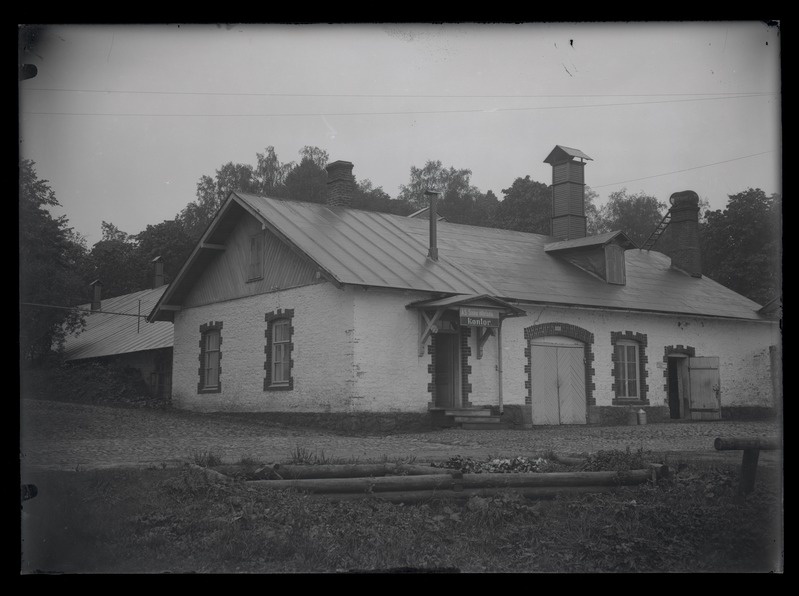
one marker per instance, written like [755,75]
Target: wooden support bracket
[427,326]
[482,338]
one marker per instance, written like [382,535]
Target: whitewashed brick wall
[389,375]
[322,354]
[356,350]
[742,348]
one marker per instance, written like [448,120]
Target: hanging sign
[479,317]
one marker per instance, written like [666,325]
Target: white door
[558,383]
[571,385]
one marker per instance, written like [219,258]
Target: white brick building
[307,308]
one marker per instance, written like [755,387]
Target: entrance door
[678,399]
[558,383]
[705,389]
[447,370]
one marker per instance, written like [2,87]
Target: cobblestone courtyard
[57,435]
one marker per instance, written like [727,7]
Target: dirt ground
[67,436]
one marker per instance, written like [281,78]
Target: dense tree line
[741,244]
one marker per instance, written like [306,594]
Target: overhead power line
[684,170]
[394,95]
[391,113]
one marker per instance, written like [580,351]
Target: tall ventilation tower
[568,192]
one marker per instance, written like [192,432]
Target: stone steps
[475,419]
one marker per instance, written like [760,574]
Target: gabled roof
[352,246]
[561,153]
[598,240]
[113,334]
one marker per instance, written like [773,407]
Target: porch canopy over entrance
[477,310]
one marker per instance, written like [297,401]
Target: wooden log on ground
[553,479]
[363,485]
[426,496]
[569,461]
[266,472]
[732,444]
[209,474]
[295,472]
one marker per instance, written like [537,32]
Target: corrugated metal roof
[380,249]
[383,250]
[367,248]
[110,334]
[598,240]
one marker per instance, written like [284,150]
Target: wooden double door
[558,382]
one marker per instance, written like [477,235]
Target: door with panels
[558,381]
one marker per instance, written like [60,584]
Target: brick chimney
[340,184]
[568,192]
[686,255]
[97,291]
[158,272]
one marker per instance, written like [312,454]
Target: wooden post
[748,470]
[751,449]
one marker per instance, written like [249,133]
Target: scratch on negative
[567,70]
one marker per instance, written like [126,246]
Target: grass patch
[302,455]
[206,458]
[180,520]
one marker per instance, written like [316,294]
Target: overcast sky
[123,120]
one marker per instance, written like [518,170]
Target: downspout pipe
[499,362]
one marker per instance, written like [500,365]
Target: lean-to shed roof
[112,334]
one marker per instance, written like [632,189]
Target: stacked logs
[404,483]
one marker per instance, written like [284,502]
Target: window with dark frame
[210,358]
[627,367]
[279,348]
[281,354]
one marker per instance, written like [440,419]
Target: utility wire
[685,170]
[394,113]
[392,95]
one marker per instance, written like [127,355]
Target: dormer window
[601,256]
[615,272]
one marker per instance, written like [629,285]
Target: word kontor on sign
[479,317]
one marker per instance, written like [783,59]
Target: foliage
[206,458]
[637,215]
[90,382]
[616,460]
[526,207]
[307,182]
[180,520]
[496,465]
[742,245]
[52,261]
